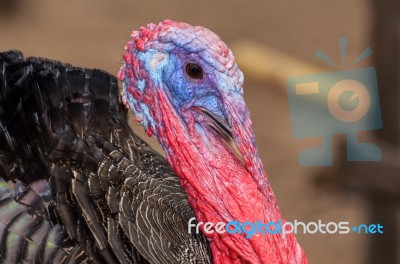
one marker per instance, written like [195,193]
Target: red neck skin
[221,189]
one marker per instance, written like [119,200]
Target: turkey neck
[221,188]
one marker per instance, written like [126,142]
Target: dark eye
[194,71]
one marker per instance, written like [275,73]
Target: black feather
[76,184]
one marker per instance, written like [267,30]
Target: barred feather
[76,184]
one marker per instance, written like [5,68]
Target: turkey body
[76,184]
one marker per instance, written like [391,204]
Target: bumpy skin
[167,47]
[166,100]
[76,184]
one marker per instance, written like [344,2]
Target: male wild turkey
[78,186]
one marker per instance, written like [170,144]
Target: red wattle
[221,189]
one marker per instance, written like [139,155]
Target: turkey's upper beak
[222,129]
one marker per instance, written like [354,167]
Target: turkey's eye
[194,71]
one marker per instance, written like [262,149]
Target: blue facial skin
[187,92]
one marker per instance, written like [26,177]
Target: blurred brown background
[92,34]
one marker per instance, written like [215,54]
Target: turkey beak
[222,129]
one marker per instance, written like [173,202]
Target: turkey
[78,186]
